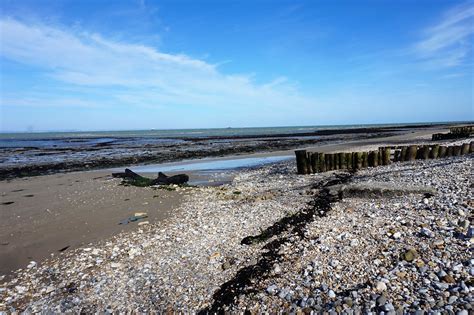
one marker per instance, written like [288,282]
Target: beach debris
[64,248]
[131,178]
[32,264]
[134,218]
[143,223]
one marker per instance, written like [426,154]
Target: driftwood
[132,178]
[169,180]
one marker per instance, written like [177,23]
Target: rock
[331,294]
[463,224]
[50,289]
[388,307]
[381,300]
[276,269]
[354,242]
[348,302]
[448,279]
[272,289]
[20,289]
[410,255]
[426,233]
[397,235]
[143,223]
[32,264]
[470,233]
[381,286]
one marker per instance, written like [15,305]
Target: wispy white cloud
[138,75]
[449,42]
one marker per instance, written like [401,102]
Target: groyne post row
[454,133]
[317,162]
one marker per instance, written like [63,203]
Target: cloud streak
[139,75]
[449,42]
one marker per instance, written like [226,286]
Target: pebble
[175,266]
[381,286]
[32,264]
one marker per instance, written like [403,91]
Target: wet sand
[41,215]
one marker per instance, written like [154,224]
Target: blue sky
[108,65]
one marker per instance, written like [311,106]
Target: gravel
[403,253]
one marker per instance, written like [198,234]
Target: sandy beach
[42,215]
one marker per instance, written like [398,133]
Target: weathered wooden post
[434,153]
[365,159]
[471,147]
[443,150]
[450,151]
[396,155]
[349,161]
[314,158]
[322,162]
[302,162]
[411,153]
[310,167]
[329,162]
[373,159]
[342,161]
[357,160]
[403,153]
[336,161]
[457,150]
[385,156]
[465,148]
[424,152]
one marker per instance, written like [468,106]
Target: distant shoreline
[33,161]
[316,127]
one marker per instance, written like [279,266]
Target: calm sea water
[93,138]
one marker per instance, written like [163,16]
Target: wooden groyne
[316,162]
[454,133]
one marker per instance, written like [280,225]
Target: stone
[388,307]
[448,279]
[272,289]
[426,233]
[276,269]
[331,294]
[50,289]
[381,300]
[409,255]
[381,286]
[32,264]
